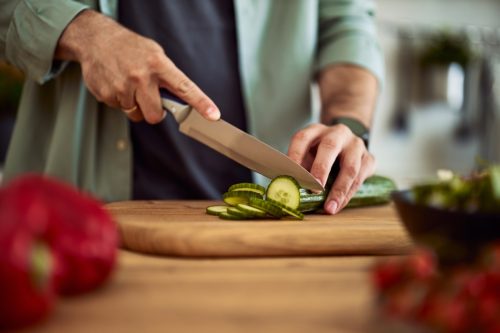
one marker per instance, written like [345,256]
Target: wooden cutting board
[181,228]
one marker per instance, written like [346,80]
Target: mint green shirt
[61,130]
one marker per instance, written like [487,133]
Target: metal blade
[245,149]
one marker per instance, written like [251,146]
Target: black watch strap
[355,126]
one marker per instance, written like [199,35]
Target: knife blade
[236,144]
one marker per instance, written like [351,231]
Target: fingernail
[213,113]
[331,207]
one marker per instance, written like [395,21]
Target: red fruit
[80,231]
[86,238]
[27,264]
[406,300]
[422,265]
[449,314]
[387,274]
[488,309]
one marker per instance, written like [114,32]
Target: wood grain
[161,294]
[182,228]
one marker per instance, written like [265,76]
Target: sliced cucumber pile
[284,198]
[251,201]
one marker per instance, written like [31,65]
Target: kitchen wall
[429,142]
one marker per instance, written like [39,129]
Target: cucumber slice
[227,216]
[285,190]
[293,212]
[285,210]
[251,211]
[216,210]
[251,187]
[267,206]
[239,197]
[237,212]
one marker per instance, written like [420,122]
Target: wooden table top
[261,294]
[155,294]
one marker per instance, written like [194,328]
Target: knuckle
[355,186]
[301,135]
[185,87]
[120,88]
[351,171]
[155,59]
[359,142]
[320,168]
[295,154]
[338,192]
[329,143]
[342,129]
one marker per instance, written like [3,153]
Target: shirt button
[121,145]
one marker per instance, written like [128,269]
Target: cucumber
[285,197]
[237,212]
[285,210]
[216,210]
[267,206]
[251,187]
[251,211]
[285,190]
[227,216]
[376,190]
[239,197]
[311,201]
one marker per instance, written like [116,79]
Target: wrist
[80,34]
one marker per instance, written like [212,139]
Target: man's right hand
[125,70]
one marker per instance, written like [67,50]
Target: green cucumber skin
[310,202]
[250,187]
[374,191]
[235,197]
[267,206]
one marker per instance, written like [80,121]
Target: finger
[148,100]
[367,169]
[128,104]
[329,148]
[350,165]
[134,114]
[303,140]
[181,86]
[126,97]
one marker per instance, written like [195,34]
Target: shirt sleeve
[29,33]
[347,35]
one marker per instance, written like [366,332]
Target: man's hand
[346,91]
[125,70]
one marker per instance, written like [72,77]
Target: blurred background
[440,106]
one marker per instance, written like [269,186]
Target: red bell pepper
[41,218]
[27,262]
[83,234]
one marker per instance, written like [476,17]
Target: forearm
[347,91]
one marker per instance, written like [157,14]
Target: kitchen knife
[235,143]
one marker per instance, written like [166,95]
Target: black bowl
[455,236]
